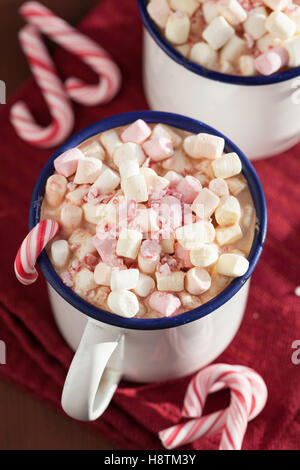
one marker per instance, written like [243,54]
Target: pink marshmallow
[66,163]
[158,149]
[170,213]
[271,61]
[137,132]
[183,256]
[164,303]
[189,187]
[106,247]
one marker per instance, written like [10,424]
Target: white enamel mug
[109,347]
[260,114]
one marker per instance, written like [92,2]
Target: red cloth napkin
[38,358]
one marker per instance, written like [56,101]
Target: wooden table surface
[26,423]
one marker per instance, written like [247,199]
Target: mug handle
[94,373]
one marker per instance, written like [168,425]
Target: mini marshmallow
[229,211]
[232,11]
[148,265]
[137,132]
[55,190]
[158,148]
[280,25]
[129,243]
[147,220]
[168,245]
[233,49]
[177,28]
[129,168]
[192,236]
[91,213]
[197,281]
[189,301]
[255,23]
[295,16]
[205,203]
[184,49]
[135,187]
[218,32]
[225,66]
[247,65]
[152,179]
[125,279]
[107,181]
[159,11]
[144,285]
[219,187]
[183,256]
[66,163]
[70,217]
[84,281]
[60,253]
[228,235]
[232,265]
[76,196]
[266,42]
[170,212]
[185,6]
[88,171]
[226,166]
[173,177]
[271,61]
[277,4]
[189,187]
[204,146]
[173,282]
[178,162]
[110,141]
[236,184]
[204,256]
[128,151]
[248,212]
[164,303]
[162,130]
[100,297]
[123,303]
[102,274]
[293,48]
[85,241]
[203,54]
[93,149]
[210,10]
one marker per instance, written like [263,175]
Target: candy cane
[30,249]
[86,49]
[54,94]
[232,421]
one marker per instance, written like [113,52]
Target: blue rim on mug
[180,122]
[160,40]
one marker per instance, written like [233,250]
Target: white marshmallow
[102,274]
[204,256]
[184,49]
[233,49]
[87,171]
[91,213]
[76,196]
[232,11]
[93,149]
[203,54]
[226,166]
[135,187]
[173,177]
[185,6]
[70,217]
[219,187]
[173,282]
[168,245]
[189,301]
[107,181]
[280,25]
[210,10]
[229,211]
[293,48]
[110,141]
[192,236]
[225,66]
[128,151]
[124,279]
[277,4]
[218,32]
[266,42]
[129,168]
[177,28]
[255,23]
[144,286]
[84,281]
[148,265]
[123,303]
[205,203]
[248,213]
[159,11]
[236,184]
[162,130]
[178,162]
[295,16]
[152,179]
[55,190]
[232,265]
[197,281]
[228,235]
[204,146]
[60,253]
[247,65]
[147,220]
[129,243]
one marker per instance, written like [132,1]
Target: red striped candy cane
[233,420]
[85,48]
[31,248]
[53,91]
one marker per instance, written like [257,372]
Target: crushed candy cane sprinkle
[236,37]
[154,220]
